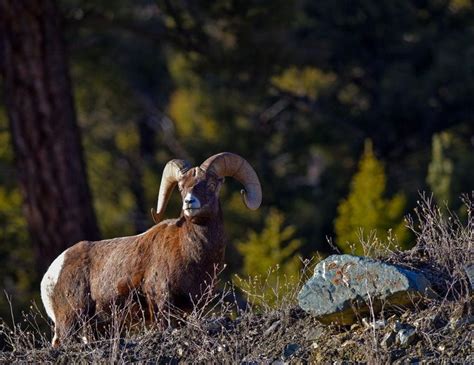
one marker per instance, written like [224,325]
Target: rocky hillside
[396,307]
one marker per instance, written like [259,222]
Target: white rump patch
[49,282]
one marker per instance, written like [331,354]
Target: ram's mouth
[189,211]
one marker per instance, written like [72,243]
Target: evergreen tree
[451,166]
[440,170]
[39,101]
[365,209]
[269,258]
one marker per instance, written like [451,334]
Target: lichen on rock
[345,286]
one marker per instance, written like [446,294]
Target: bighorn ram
[169,263]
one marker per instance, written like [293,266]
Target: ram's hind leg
[64,328]
[72,325]
[56,342]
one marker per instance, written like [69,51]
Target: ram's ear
[220,183]
[156,218]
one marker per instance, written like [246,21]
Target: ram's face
[200,194]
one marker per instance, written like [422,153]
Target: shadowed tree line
[97,97]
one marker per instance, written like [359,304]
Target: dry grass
[223,330]
[444,246]
[217,330]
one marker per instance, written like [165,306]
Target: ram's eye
[211,186]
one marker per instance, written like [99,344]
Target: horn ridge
[172,172]
[230,164]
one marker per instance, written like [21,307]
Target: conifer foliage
[270,256]
[366,210]
[450,169]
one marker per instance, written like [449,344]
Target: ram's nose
[191,202]
[189,199]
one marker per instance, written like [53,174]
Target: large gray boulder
[344,287]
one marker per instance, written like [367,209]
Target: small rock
[343,284]
[381,323]
[315,333]
[388,340]
[278,362]
[397,326]
[290,350]
[406,336]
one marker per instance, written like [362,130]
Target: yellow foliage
[270,259]
[308,81]
[190,112]
[366,209]
[6,153]
[181,71]
[127,139]
[352,95]
[457,5]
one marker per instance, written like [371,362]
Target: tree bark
[45,135]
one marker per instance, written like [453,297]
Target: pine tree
[440,169]
[49,158]
[366,210]
[450,170]
[269,258]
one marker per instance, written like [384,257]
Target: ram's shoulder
[168,225]
[176,222]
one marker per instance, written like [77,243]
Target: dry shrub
[219,329]
[444,246]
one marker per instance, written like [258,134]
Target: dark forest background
[345,109]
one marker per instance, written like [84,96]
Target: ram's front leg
[158,310]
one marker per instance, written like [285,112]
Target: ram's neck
[205,241]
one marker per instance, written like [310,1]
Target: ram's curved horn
[232,165]
[172,172]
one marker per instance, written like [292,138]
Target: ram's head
[200,186]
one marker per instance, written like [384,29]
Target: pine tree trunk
[46,138]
